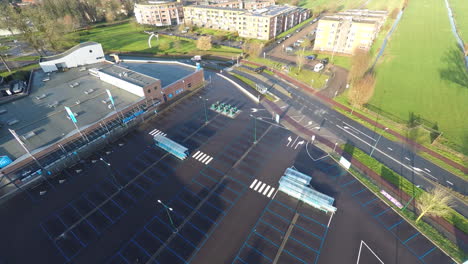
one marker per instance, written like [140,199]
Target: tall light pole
[108,165]
[169,215]
[204,104]
[375,145]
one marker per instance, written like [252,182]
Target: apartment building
[264,23]
[159,13]
[347,31]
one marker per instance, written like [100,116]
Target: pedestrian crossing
[202,157]
[262,188]
[155,132]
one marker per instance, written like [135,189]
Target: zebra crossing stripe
[193,156]
[205,159]
[271,192]
[261,188]
[208,161]
[201,157]
[253,183]
[198,155]
[258,185]
[266,190]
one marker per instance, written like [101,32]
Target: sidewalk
[368,120]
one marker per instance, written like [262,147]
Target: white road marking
[193,156]
[271,192]
[253,183]
[197,155]
[406,158]
[258,185]
[261,188]
[155,132]
[389,148]
[289,141]
[205,159]
[266,190]
[201,157]
[294,141]
[359,254]
[299,143]
[208,161]
[358,131]
[426,169]
[449,182]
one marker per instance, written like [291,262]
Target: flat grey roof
[129,75]
[51,124]
[167,73]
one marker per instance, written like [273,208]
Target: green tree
[435,202]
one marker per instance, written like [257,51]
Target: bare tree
[362,90]
[434,202]
[6,16]
[300,59]
[204,43]
[359,65]
[252,48]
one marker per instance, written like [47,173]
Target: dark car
[311,57]
[324,61]
[260,69]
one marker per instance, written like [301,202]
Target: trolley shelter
[297,185]
[170,146]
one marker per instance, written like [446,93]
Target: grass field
[130,38]
[422,72]
[319,5]
[460,13]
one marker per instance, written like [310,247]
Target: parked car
[318,67]
[289,49]
[260,69]
[324,61]
[300,40]
[288,35]
[311,57]
[315,20]
[297,44]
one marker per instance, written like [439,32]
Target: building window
[155,88]
[189,85]
[149,90]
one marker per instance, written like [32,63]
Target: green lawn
[460,13]
[4,48]
[130,38]
[423,72]
[319,5]
[384,4]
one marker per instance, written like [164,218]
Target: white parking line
[261,188]
[271,192]
[258,185]
[266,190]
[253,183]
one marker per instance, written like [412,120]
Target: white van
[318,67]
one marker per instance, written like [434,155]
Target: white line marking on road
[198,155]
[208,161]
[358,131]
[294,141]
[389,148]
[289,141]
[205,159]
[266,190]
[193,156]
[201,157]
[408,159]
[271,192]
[258,185]
[426,169]
[261,188]
[253,183]
[449,182]
[359,254]
[299,143]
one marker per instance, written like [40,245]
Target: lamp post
[108,165]
[375,145]
[204,104]
[169,215]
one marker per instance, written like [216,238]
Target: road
[394,155]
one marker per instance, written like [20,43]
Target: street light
[169,215]
[111,172]
[335,146]
[375,145]
[204,104]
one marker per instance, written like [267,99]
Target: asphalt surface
[110,214]
[396,156]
